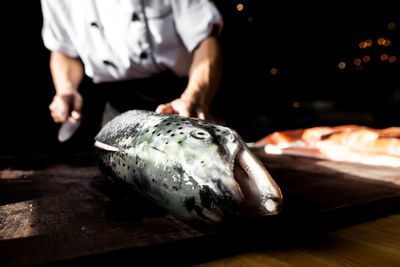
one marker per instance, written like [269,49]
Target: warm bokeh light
[296,104]
[391,25]
[342,65]
[387,42]
[239,7]
[357,61]
[366,58]
[365,44]
[384,57]
[392,59]
[273,71]
[381,41]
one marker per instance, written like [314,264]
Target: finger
[51,106]
[201,115]
[182,109]
[53,111]
[165,108]
[183,112]
[59,109]
[55,117]
[77,107]
[62,112]
[160,108]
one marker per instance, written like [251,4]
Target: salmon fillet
[350,143]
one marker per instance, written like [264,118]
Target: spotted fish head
[211,167]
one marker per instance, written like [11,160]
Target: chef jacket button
[109,63]
[135,17]
[94,24]
[143,55]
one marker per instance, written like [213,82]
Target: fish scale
[184,165]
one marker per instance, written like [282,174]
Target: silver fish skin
[195,169]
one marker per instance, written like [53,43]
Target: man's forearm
[205,72]
[67,72]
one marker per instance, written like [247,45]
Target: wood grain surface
[374,243]
[69,213]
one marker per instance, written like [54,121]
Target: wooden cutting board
[69,213]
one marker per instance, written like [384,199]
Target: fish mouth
[261,194]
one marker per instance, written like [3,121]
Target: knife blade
[68,128]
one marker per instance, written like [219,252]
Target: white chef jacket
[128,39]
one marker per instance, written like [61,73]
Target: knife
[68,128]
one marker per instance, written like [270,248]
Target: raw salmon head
[193,168]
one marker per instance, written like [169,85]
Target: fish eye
[201,135]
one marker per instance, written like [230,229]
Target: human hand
[184,107]
[63,103]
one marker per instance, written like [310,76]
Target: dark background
[303,42]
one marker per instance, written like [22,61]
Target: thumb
[201,115]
